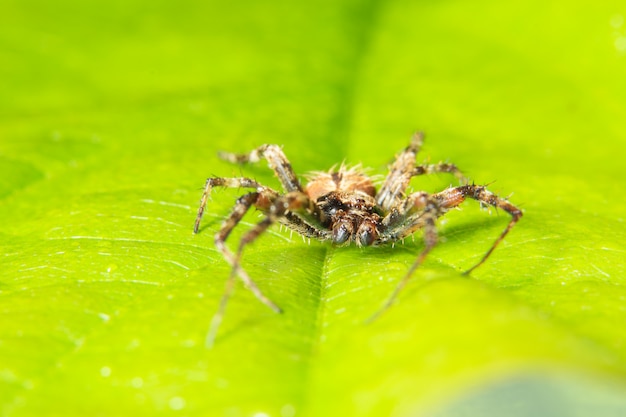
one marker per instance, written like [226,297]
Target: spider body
[346,206]
[343,206]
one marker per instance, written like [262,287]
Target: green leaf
[111,116]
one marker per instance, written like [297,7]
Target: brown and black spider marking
[343,206]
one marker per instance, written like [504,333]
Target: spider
[343,206]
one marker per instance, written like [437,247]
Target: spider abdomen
[344,180]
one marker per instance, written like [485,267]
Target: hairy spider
[343,206]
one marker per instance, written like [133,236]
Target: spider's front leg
[241,208]
[276,208]
[480,193]
[282,209]
[404,168]
[400,173]
[420,211]
[226,183]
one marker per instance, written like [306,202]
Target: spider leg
[481,194]
[404,219]
[227,183]
[216,320]
[283,207]
[241,208]
[304,228]
[453,197]
[404,168]
[276,208]
[276,160]
[400,173]
[425,219]
[421,211]
[440,168]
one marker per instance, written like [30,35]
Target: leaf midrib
[342,144]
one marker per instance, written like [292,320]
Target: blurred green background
[111,114]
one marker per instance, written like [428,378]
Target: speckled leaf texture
[111,115]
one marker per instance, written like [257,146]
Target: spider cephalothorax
[343,206]
[346,205]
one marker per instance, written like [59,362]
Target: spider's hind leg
[440,168]
[276,160]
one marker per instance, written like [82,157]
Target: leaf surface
[111,120]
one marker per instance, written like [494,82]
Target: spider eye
[342,232]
